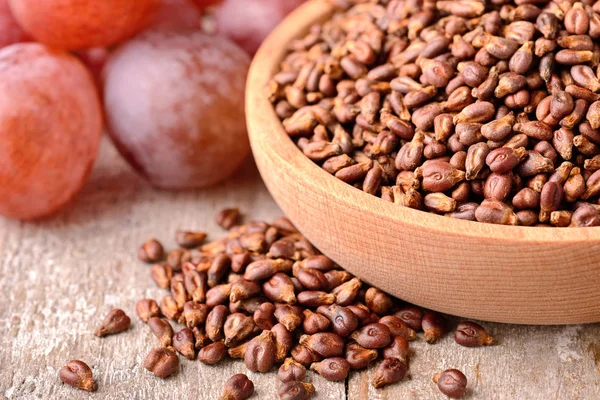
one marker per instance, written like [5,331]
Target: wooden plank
[530,362]
[58,279]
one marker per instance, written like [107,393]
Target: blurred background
[165,79]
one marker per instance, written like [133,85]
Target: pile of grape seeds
[264,294]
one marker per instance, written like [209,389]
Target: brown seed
[439,176]
[218,269]
[264,269]
[218,295]
[162,274]
[213,353]
[586,215]
[439,203]
[228,217]
[452,383]
[498,186]
[184,342]
[373,336]
[146,309]
[332,369]
[526,198]
[309,298]
[291,371]
[377,301]
[495,212]
[363,313]
[343,321]
[319,262]
[504,159]
[398,348]
[264,316]
[389,371]
[196,284]
[346,293]
[162,330]
[176,258]
[314,323]
[151,251]
[115,322]
[336,278]
[434,326]
[169,308]
[237,327]
[398,327]
[296,390]
[261,352]
[189,239]
[475,161]
[238,351]
[411,315]
[312,279]
[238,387]
[304,355]
[243,289]
[283,342]
[358,357]
[215,322]
[77,374]
[326,344]
[179,293]
[470,334]
[289,316]
[280,289]
[550,199]
[162,362]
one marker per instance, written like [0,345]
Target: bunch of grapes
[171,96]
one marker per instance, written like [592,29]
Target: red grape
[177,14]
[10,31]
[174,104]
[249,22]
[50,128]
[77,24]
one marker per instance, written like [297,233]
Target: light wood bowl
[523,275]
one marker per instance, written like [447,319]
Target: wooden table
[58,279]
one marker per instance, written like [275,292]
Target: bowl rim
[266,63]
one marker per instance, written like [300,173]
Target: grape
[249,22]
[77,24]
[177,14]
[50,128]
[174,104]
[10,31]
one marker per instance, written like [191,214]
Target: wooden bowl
[522,275]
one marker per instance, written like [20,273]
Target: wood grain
[490,272]
[58,279]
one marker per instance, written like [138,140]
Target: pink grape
[249,22]
[174,105]
[50,129]
[10,31]
[77,24]
[177,14]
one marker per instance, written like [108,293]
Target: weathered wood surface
[59,277]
